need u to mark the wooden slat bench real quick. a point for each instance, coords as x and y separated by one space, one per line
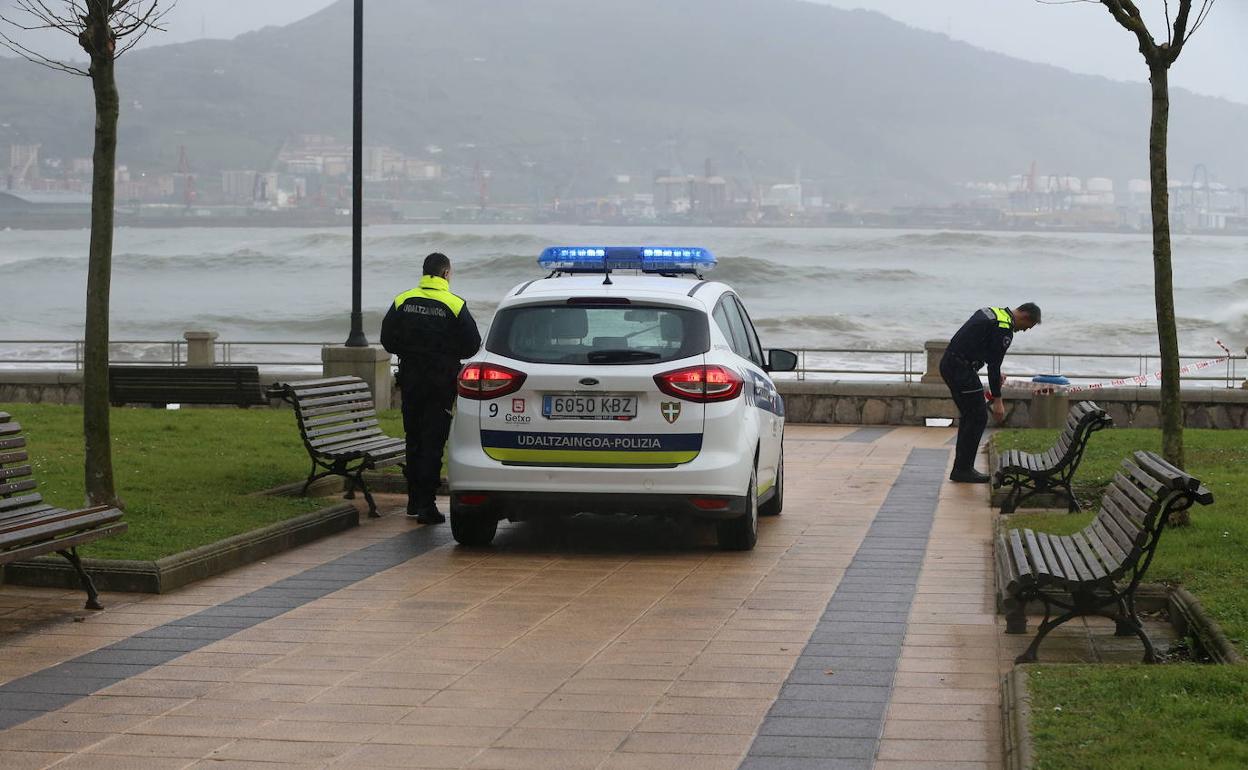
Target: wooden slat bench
338 423
1096 571
163 385
30 527
1030 474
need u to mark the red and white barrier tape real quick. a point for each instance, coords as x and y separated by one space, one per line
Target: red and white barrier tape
1142 379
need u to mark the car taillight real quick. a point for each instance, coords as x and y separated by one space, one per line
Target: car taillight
701 383
485 381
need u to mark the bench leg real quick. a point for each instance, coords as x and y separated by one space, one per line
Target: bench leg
1128 623
372 505
1048 625
1020 490
312 476
93 598
1015 615
1073 504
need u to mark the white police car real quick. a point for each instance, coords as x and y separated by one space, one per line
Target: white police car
600 392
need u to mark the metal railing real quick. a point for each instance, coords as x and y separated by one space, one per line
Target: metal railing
69 353
808 362
855 363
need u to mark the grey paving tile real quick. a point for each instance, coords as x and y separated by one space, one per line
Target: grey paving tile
58 685
31 701
115 671
154 644
821 727
817 676
846 663
829 710
832 691
886 647
804 763
805 746
116 656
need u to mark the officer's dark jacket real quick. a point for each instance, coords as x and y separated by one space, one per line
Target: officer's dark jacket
431 331
983 339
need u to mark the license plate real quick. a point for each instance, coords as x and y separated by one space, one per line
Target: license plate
581 407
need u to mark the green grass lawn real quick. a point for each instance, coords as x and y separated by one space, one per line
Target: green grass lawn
1139 717
1144 717
187 477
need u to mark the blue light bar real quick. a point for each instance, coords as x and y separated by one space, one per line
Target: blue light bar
647 259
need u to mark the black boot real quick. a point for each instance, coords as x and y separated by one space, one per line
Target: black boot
968 476
429 515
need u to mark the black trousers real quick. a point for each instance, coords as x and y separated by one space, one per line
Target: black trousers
968 395
427 423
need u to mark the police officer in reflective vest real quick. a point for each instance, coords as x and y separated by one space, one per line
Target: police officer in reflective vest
431 331
983 339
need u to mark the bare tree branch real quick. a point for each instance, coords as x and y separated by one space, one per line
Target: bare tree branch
128 20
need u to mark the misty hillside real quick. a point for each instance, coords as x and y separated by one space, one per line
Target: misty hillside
555 96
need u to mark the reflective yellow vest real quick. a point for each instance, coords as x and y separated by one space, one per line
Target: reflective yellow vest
434 288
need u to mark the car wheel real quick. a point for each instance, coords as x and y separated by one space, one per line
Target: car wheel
741 533
776 504
473 529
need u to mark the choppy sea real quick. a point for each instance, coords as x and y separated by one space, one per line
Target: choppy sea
805 288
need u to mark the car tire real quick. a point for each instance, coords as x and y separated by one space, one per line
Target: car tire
473 529
741 533
776 504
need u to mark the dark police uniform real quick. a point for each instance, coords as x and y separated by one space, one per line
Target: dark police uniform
431 331
983 339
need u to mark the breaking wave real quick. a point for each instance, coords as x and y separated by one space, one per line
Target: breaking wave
810 323
415 244
743 270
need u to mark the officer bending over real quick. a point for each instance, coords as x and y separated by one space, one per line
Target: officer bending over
982 340
431 331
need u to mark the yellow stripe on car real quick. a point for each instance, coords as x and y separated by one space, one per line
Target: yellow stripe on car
575 457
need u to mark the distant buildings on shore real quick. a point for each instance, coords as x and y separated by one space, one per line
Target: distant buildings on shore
308 182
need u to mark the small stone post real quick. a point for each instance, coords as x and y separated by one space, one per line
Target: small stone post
371 364
201 349
1049 408
935 351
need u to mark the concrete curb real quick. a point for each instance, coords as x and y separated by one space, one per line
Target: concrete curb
1188 616
1016 721
171 572
385 483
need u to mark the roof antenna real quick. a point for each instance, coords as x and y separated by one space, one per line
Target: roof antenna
606 269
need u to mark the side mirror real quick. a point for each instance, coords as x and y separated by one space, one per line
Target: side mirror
781 361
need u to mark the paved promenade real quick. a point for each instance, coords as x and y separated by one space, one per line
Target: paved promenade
859 633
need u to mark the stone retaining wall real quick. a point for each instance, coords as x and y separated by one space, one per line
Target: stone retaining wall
889 403
820 401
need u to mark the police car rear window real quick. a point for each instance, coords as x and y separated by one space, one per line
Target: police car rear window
605 334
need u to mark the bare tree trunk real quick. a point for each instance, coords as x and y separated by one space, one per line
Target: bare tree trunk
95 413
1163 272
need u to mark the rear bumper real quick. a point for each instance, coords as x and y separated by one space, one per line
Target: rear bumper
519 506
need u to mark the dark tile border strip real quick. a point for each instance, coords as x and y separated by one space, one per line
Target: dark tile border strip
867 435
58 686
830 712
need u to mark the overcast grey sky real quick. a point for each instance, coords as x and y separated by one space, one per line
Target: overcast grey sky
1084 38
1079 36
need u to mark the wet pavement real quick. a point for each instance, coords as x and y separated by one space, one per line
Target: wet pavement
860 633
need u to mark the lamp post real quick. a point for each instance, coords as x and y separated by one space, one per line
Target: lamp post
356 338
